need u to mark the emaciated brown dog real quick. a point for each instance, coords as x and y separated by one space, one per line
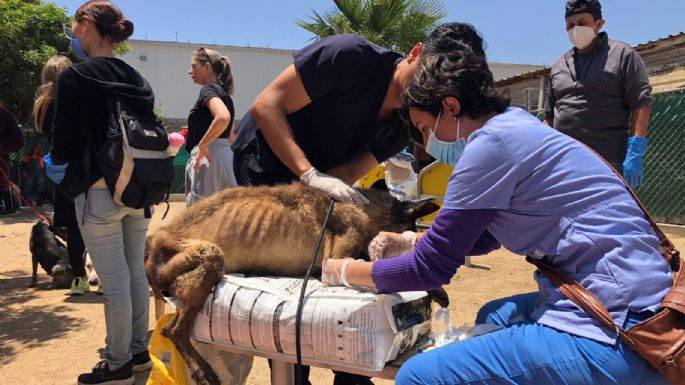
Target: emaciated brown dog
258 230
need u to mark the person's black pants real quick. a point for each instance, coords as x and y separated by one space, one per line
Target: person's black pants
6 197
253 167
76 249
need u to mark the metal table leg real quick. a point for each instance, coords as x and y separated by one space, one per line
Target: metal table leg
282 373
468 263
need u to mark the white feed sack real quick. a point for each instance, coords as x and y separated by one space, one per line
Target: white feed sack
340 326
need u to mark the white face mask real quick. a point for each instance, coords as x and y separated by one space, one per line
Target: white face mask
581 36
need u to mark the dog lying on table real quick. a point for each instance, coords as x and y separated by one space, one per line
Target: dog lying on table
270 230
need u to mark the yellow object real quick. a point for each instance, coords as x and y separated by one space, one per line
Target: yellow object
168 367
378 173
432 182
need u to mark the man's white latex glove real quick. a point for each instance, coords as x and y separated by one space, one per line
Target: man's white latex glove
334 187
334 271
388 245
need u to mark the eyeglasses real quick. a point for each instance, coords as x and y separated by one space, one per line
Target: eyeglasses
414 132
68 31
202 51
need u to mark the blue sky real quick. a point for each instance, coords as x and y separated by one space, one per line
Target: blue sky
524 31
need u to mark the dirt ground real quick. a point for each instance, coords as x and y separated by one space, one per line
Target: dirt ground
48 337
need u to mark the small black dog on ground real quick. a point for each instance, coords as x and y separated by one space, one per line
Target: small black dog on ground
51 254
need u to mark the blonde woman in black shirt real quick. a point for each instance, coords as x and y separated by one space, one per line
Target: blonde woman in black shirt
210 167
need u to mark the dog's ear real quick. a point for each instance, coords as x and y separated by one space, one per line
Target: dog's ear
422 207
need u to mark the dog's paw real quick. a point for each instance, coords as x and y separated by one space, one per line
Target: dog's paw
440 297
33 283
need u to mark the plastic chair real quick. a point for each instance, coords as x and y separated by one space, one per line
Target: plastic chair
432 183
374 176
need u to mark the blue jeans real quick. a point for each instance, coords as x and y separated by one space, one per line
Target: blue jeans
115 238
525 352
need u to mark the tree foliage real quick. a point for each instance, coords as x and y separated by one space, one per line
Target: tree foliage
395 24
30 32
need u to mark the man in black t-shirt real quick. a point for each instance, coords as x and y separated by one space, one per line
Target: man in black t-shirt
332 116
333 111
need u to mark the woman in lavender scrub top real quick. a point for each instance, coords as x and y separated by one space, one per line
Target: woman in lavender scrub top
520 184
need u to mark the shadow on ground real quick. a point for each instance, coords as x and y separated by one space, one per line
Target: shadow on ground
25 215
29 326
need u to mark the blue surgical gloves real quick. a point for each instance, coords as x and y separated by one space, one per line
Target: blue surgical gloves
54 171
633 170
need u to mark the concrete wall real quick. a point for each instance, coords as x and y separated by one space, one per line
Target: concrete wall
165 65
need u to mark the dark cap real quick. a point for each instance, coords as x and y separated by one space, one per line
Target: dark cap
593 7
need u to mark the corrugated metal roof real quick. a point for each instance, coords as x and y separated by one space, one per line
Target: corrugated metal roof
663 42
524 76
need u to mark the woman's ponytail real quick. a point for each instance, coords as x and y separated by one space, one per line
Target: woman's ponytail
226 76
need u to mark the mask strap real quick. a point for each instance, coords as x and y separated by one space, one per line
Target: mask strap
458 126
435 128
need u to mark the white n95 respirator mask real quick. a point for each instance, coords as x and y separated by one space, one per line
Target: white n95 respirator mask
581 36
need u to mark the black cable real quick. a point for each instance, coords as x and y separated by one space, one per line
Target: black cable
300 304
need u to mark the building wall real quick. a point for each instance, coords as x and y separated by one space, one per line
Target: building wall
165 65
666 67
526 93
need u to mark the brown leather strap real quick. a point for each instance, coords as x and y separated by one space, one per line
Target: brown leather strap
576 293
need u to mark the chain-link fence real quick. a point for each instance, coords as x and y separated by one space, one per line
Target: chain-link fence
663 192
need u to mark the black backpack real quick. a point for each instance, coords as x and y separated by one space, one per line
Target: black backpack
133 159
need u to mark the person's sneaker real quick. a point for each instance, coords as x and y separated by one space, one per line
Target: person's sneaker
79 286
141 361
101 375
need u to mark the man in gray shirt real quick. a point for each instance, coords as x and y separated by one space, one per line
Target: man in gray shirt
599 92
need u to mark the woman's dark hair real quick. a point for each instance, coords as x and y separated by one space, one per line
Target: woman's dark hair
460 73
448 37
108 19
220 65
